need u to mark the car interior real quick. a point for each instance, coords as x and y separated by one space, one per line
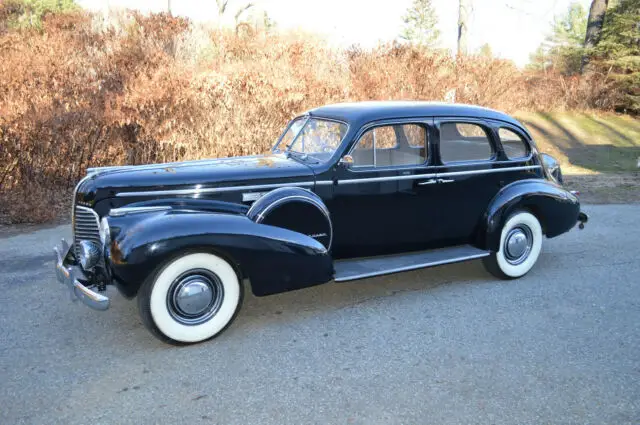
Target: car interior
395 145
463 142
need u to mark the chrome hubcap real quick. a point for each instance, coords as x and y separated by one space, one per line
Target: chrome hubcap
517 244
195 297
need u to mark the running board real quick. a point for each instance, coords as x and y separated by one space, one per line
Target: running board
360 268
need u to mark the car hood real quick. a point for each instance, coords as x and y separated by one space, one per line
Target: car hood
241 171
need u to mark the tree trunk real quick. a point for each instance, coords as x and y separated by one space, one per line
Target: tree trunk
463 25
594 29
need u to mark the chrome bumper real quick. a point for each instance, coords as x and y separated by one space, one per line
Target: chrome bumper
67 274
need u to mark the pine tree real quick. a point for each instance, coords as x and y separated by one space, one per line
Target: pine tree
562 49
420 24
618 51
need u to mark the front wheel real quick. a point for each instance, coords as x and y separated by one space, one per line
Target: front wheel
191 299
520 245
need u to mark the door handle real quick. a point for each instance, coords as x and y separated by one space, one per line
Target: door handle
426 182
446 180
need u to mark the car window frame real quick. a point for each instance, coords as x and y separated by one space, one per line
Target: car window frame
523 136
489 131
424 122
339 148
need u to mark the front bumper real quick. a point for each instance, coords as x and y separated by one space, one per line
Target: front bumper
68 274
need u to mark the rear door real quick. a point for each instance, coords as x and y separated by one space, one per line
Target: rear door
471 168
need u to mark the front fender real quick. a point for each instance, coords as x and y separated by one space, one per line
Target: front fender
274 259
556 208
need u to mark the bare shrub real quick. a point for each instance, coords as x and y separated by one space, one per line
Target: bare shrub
137 89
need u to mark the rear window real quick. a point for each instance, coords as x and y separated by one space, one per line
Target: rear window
513 144
464 142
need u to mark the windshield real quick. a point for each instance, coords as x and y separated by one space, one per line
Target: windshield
312 137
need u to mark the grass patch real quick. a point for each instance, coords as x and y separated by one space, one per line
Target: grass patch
587 143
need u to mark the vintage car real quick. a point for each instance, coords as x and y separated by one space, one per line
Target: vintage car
349 191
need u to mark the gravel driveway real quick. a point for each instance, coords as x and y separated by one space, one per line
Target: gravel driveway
442 345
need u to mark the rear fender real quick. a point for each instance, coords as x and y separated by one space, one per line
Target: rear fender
556 208
273 259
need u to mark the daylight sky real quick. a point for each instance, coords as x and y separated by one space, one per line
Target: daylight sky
513 28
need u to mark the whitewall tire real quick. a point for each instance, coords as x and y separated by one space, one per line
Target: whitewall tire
520 246
191 299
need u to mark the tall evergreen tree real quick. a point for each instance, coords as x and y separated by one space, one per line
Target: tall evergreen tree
618 52
562 49
420 24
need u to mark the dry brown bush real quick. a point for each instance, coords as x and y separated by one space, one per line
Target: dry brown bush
84 93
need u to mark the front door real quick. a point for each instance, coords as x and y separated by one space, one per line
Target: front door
381 202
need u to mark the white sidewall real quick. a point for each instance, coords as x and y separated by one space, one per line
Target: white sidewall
195 333
532 222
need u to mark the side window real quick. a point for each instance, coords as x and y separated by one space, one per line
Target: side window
464 142
391 145
385 137
514 146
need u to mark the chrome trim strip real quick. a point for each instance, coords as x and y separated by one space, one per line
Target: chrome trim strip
207 161
75 194
388 178
93 170
119 212
324 183
483 162
432 175
252 196
488 171
413 267
198 191
89 210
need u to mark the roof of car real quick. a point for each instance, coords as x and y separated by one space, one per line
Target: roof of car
363 112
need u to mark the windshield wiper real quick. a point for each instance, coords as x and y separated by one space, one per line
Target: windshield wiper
302 156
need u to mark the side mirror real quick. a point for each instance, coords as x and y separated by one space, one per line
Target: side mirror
346 160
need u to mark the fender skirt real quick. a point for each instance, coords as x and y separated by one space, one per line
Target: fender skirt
557 209
273 259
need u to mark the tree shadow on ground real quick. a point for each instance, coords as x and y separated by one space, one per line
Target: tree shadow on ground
609 128
604 157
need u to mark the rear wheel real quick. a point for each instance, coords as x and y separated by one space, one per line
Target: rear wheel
520 246
191 299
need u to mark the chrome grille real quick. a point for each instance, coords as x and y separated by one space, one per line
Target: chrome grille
85 227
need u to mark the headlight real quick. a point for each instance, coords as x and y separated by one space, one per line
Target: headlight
105 232
89 254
